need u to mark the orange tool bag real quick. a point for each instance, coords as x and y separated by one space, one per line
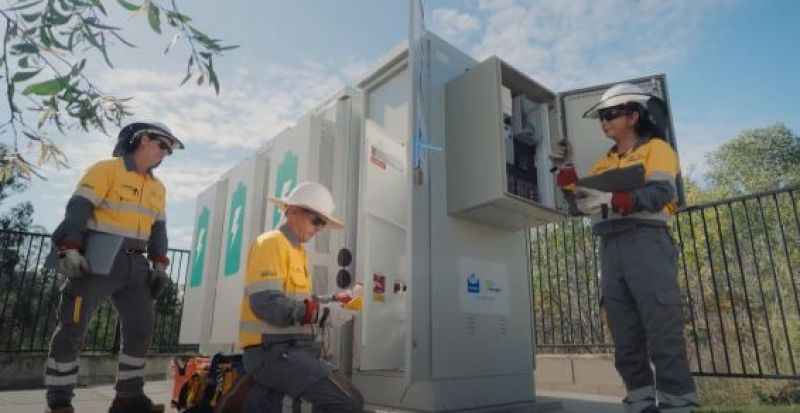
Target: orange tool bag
201 385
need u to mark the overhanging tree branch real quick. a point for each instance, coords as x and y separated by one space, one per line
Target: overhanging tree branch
44 56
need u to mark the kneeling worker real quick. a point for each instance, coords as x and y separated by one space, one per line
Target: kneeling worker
280 315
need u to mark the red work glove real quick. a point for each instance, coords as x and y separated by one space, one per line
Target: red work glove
312 312
622 202
162 260
566 176
343 298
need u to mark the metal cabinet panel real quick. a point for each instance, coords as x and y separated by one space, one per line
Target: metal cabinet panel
478 178
198 302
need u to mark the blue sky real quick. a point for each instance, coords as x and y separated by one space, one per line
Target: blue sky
730 65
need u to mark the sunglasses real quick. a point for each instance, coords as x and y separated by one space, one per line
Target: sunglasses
612 113
164 146
316 219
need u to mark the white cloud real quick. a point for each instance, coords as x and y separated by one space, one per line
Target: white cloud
579 43
454 25
251 107
565 44
186 178
218 131
181 237
354 70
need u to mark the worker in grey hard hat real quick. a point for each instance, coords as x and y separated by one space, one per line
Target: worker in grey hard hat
117 199
128 138
639 267
281 317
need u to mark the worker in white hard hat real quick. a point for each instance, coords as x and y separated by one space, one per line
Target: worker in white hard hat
639 267
122 199
281 316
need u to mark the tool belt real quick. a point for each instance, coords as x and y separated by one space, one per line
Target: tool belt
133 246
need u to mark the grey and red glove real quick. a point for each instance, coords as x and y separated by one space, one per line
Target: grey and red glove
592 201
159 280
72 264
561 155
622 202
342 298
311 314
566 176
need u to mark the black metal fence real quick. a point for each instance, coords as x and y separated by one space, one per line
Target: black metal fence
739 261
29 297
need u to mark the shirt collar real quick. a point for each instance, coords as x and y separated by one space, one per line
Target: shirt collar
290 235
613 151
130 164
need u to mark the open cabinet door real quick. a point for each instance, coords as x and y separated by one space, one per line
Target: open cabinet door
588 139
383 225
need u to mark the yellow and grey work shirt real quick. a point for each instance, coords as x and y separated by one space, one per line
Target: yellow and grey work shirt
276 284
113 197
656 201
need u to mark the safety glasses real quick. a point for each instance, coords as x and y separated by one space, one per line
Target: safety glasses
610 114
316 219
163 145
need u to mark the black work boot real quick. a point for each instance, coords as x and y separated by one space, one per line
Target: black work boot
60 408
136 404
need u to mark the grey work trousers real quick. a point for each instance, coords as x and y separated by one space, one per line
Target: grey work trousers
639 284
296 371
129 289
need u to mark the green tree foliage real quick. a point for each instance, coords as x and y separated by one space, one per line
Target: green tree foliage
755 160
18 252
47 44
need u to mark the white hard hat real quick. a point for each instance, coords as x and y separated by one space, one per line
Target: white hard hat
619 94
312 196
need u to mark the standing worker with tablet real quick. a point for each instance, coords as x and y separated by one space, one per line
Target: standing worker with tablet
639 265
116 215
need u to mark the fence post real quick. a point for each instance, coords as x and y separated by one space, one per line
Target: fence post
115 345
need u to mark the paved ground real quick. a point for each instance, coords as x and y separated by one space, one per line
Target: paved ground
87 400
97 399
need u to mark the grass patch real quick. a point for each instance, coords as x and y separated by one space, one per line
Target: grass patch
727 395
749 409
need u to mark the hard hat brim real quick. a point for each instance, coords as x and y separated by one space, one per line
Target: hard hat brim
329 220
176 143
594 111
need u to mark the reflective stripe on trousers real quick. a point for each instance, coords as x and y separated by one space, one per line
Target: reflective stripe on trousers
128 287
644 307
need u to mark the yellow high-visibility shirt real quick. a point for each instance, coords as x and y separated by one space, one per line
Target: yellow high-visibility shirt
273 264
125 202
660 164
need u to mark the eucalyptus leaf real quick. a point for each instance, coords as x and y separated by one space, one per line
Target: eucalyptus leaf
212 77
25 48
23 76
172 42
153 17
44 115
186 78
129 6
24 6
57 18
99 5
47 88
32 17
180 17
122 39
